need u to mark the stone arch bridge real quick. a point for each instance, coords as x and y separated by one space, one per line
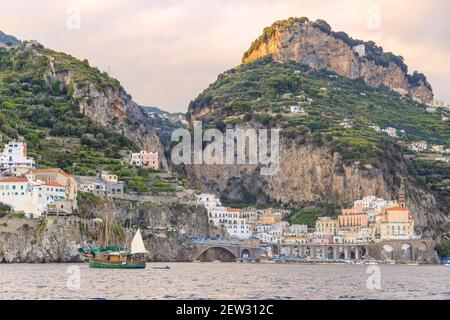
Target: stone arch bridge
398 251
236 250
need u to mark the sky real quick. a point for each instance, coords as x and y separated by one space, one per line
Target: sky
166 52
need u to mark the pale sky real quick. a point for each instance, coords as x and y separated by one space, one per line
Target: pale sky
166 52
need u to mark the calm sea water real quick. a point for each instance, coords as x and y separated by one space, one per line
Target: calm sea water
222 281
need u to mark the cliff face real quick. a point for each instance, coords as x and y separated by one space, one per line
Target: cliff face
108 105
58 239
322 159
307 44
312 174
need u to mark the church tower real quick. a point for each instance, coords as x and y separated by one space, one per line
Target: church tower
402 196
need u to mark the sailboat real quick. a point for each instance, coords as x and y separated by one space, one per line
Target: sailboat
116 257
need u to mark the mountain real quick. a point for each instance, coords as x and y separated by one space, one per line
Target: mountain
315 44
322 163
164 123
8 40
71 114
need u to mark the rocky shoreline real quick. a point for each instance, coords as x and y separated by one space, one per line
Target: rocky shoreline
57 239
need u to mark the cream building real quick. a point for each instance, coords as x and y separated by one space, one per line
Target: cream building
327 226
59 176
397 223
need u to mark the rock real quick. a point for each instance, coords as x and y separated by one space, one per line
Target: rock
60 239
305 43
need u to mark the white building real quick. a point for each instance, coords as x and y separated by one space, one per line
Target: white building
272 233
438 148
376 128
231 219
91 184
14 155
209 200
431 109
373 202
298 229
347 123
418 146
30 197
392 132
297 109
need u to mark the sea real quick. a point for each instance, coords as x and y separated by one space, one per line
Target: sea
225 281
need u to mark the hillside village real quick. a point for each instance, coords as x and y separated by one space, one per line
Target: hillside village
35 192
85 145
370 220
39 192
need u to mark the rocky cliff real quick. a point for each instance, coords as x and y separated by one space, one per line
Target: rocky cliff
316 45
311 175
165 229
99 97
329 152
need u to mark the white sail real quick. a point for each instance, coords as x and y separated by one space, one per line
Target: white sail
137 244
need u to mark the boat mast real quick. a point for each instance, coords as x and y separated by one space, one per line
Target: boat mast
106 231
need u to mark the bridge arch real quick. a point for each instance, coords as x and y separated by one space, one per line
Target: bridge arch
407 252
223 251
387 252
422 251
245 254
329 253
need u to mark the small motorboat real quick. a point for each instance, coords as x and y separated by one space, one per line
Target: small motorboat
161 268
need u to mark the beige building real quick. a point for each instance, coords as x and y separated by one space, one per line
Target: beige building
327 226
109 177
397 223
59 176
269 218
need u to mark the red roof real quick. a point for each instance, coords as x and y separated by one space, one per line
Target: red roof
54 184
14 179
50 170
397 209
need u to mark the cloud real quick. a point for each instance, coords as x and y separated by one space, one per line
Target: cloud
165 52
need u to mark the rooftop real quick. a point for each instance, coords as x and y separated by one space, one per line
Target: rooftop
13 179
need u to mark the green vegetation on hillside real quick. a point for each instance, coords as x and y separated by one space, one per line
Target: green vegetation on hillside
5 209
309 215
264 90
46 115
435 176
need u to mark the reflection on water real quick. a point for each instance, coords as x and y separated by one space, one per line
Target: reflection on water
223 281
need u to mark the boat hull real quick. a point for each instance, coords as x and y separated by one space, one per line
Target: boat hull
100 264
